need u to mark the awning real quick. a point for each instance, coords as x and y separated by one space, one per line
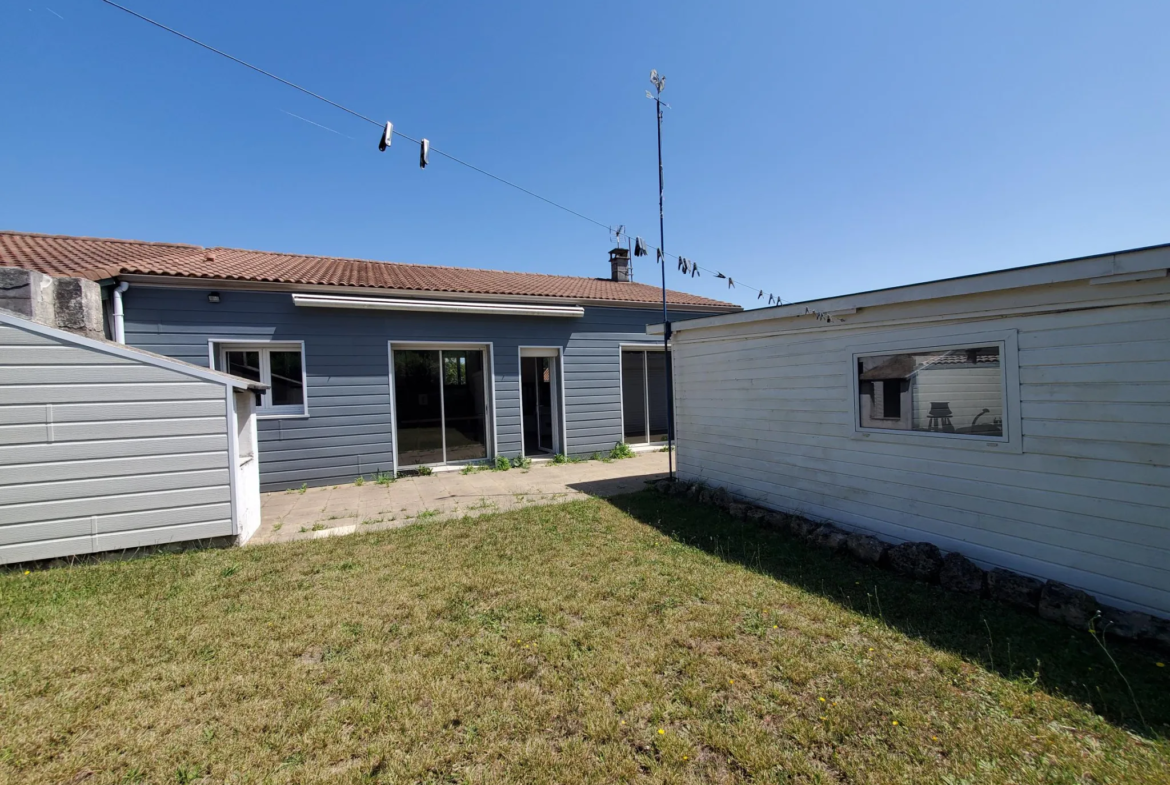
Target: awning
435 306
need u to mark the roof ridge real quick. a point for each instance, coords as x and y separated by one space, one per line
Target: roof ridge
213 249
17 233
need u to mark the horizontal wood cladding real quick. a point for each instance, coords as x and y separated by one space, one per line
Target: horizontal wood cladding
1086 501
349 428
100 451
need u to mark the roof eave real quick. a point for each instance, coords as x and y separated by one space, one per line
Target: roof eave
230 284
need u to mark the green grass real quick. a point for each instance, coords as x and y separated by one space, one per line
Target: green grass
641 639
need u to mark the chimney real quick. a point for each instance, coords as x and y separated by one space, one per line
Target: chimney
619 263
73 304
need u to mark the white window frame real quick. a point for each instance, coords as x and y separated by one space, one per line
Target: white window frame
1006 340
638 347
217 349
489 350
560 429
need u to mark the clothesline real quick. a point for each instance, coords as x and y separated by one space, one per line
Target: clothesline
426 148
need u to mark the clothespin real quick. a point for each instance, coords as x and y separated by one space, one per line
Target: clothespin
387 137
661 258
730 283
720 275
639 247
770 299
760 296
423 152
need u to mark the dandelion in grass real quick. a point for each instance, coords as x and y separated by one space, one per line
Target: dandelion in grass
731 681
26 572
895 722
661 731
1159 664
822 700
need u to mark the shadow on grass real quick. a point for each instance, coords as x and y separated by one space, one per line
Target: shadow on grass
1018 646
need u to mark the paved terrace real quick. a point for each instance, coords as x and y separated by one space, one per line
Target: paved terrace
345 509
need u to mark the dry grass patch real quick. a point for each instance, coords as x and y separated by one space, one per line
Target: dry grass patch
585 642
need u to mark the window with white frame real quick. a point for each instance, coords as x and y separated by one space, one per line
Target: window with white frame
281 366
957 391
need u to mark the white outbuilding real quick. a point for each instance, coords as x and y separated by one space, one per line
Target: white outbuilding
1020 417
106 448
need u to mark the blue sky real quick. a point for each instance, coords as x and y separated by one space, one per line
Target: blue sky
812 148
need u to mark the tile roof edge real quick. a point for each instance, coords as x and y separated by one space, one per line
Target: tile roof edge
46 235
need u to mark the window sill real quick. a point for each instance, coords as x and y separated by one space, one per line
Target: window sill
938 439
276 416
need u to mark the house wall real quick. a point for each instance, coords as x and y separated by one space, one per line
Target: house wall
1082 496
100 452
348 431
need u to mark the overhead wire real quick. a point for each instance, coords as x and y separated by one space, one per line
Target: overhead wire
658 256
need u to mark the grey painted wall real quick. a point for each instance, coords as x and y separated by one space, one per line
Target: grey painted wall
101 452
348 431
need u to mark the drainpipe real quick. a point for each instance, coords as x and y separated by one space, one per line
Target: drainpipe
119 318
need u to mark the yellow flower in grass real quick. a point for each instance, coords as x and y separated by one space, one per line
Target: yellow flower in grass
661 731
822 700
26 572
895 722
731 681
1159 664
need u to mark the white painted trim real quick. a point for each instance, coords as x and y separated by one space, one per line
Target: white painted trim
559 419
129 352
1011 441
233 460
488 348
433 306
217 346
1084 268
644 348
948 318
1127 277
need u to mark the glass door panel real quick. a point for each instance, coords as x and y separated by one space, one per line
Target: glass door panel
634 396
656 395
418 392
464 405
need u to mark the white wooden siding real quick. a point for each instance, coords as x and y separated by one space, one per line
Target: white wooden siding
767 413
102 452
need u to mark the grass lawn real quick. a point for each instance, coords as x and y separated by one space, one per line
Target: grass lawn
640 638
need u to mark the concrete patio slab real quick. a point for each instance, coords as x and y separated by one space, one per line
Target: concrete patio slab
345 509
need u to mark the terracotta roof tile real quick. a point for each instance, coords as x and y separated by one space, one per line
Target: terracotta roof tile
98 258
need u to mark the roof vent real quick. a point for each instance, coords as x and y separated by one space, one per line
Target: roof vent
619 262
209 256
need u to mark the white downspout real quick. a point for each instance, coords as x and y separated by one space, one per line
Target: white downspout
119 318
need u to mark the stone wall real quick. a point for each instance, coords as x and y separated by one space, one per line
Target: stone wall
73 304
923 561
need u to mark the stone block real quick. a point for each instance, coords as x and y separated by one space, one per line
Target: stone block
865 547
960 574
828 537
1067 605
919 560
1014 589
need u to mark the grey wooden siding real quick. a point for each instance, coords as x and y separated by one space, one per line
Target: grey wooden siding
100 452
766 411
348 431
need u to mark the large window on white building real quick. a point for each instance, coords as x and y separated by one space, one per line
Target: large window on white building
956 391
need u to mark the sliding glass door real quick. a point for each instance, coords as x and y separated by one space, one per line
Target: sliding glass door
644 412
440 398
